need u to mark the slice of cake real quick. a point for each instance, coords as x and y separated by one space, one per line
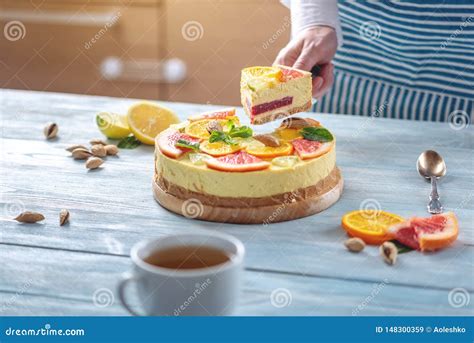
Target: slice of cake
270 93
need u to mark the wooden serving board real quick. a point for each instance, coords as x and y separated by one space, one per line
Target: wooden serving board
193 208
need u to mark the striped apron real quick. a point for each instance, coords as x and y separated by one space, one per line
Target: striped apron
408 60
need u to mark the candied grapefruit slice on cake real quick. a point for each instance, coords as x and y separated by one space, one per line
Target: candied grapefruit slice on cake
237 162
220 114
372 226
167 142
427 234
307 149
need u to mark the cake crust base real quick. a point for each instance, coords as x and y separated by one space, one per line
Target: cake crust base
291 207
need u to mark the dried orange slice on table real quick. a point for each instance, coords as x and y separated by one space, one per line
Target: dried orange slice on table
370 225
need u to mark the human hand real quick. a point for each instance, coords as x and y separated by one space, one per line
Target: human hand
313 46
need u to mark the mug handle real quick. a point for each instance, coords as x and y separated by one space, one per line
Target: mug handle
121 291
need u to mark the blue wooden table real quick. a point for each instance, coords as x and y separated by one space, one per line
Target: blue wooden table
292 268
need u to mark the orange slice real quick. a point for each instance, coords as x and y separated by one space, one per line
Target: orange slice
218 148
288 134
264 151
198 128
372 226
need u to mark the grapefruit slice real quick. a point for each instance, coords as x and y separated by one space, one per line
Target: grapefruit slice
238 162
427 234
167 143
307 149
372 226
221 114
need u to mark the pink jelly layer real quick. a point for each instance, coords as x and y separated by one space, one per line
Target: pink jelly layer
268 106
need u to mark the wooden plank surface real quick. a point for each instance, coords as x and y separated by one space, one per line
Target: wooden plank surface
113 208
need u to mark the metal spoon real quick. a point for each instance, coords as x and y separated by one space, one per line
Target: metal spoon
431 166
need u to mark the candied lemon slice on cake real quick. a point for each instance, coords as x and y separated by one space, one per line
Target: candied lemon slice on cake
112 125
370 225
147 120
198 128
285 161
218 148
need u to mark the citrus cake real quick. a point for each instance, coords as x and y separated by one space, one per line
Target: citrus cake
211 167
269 93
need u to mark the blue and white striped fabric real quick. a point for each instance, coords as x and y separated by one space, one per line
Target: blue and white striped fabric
404 59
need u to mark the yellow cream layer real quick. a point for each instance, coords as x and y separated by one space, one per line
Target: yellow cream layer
274 180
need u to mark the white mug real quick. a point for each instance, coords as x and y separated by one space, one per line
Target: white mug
207 291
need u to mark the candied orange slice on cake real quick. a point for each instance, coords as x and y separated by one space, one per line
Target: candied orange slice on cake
218 148
427 234
288 134
238 162
220 114
168 143
372 226
261 150
199 128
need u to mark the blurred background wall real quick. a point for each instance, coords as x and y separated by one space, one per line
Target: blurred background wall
177 50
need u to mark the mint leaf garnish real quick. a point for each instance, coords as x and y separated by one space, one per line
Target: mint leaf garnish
226 137
182 143
316 134
129 142
220 136
242 132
